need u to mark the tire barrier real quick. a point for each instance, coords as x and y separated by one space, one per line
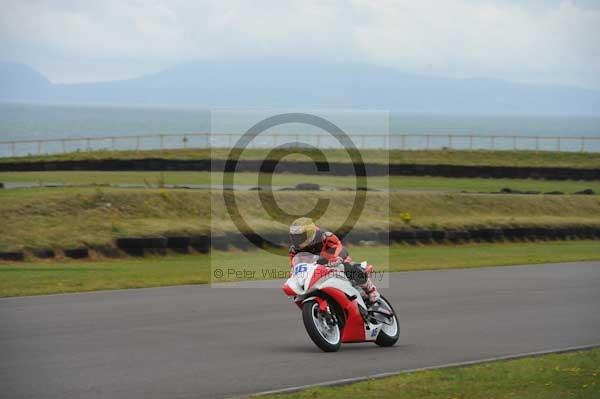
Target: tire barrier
200 243
587 191
496 172
438 236
383 237
12 256
423 236
107 250
44 253
407 236
506 190
360 237
140 246
458 236
238 241
131 245
77 253
308 187
279 240
309 168
220 243
179 244
486 235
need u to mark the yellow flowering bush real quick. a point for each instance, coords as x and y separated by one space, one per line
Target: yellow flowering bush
406 217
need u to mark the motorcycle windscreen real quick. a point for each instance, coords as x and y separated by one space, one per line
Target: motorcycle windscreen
304 257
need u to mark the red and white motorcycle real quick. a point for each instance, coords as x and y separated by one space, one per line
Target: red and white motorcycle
333 310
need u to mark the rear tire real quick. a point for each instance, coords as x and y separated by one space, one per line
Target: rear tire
388 338
327 339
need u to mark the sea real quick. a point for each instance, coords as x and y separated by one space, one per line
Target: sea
224 127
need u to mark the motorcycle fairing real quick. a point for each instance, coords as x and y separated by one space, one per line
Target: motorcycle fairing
338 287
355 329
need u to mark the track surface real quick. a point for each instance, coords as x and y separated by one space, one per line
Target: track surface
198 341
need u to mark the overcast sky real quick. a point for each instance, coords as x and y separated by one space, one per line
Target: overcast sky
542 41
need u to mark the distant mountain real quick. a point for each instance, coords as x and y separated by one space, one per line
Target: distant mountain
20 82
289 84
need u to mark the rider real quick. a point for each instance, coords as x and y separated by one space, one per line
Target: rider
306 236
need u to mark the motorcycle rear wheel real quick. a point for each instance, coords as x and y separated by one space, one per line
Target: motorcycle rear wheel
326 336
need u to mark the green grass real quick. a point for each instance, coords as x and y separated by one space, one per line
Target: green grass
47 277
34 218
446 157
414 183
566 375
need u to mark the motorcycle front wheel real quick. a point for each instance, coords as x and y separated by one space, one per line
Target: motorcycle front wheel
321 327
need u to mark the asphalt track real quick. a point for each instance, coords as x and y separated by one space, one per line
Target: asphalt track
202 341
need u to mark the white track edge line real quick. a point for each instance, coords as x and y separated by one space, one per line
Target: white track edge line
345 381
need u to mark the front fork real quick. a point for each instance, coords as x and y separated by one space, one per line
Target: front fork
324 307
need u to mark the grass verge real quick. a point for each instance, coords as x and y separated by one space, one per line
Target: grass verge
430 157
566 375
36 278
36 218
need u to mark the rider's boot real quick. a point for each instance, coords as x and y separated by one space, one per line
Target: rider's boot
371 291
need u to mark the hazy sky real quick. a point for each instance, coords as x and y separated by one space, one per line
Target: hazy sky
542 41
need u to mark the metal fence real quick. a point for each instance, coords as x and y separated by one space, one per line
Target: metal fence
270 140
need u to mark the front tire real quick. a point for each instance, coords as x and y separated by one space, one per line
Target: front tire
321 329
389 334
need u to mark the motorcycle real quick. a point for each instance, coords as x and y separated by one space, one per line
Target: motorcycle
333 310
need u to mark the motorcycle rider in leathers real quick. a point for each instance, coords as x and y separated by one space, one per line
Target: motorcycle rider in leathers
306 236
